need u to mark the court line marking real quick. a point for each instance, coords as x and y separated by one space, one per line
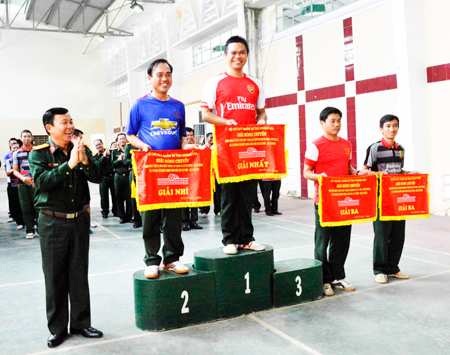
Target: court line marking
137 336
144 334
350 293
405 256
284 335
293 230
360 236
106 229
89 275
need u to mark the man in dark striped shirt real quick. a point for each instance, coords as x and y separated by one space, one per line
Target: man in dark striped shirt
26 184
387 157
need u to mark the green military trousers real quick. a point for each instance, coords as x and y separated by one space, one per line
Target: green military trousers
65 258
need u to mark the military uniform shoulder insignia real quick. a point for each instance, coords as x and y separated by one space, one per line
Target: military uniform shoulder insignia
42 146
128 143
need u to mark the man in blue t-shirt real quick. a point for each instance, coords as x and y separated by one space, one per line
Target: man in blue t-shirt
157 122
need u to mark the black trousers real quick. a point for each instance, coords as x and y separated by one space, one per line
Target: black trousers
217 198
189 214
26 198
106 187
65 259
173 244
270 187
338 241
136 214
236 212
123 195
14 204
388 246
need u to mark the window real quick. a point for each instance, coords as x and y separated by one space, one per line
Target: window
293 12
122 89
211 47
40 139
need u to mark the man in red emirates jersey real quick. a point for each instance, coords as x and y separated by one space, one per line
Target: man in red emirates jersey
237 98
330 155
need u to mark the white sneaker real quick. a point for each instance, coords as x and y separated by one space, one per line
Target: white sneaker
343 285
230 249
30 236
151 272
253 246
399 275
19 227
176 267
381 278
327 290
10 220
93 224
203 215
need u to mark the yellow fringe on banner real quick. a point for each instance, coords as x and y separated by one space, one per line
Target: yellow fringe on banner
401 218
159 206
343 223
133 189
250 177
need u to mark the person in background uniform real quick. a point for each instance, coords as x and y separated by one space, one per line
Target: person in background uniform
387 157
238 99
127 160
103 156
12 189
144 131
26 185
5 158
121 180
61 170
218 189
269 187
330 155
190 214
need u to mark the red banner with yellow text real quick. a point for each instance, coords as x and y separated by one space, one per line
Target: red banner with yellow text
403 197
246 152
172 178
347 200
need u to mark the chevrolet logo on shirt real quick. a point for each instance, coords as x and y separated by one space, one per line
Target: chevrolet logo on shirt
164 123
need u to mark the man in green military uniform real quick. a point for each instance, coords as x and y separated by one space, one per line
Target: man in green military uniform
103 156
61 169
121 180
127 160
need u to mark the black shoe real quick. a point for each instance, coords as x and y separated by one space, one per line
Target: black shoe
269 213
56 339
124 220
115 214
276 212
256 210
137 224
194 225
186 227
104 215
87 333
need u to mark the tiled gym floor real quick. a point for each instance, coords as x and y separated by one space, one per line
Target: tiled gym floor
401 317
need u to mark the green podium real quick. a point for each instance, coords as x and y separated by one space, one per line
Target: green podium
243 281
174 300
296 281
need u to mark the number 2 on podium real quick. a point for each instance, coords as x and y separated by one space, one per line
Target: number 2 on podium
247 283
185 295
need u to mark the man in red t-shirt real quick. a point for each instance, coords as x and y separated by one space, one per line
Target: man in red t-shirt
330 155
238 99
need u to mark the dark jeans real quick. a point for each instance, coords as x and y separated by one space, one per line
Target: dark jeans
267 188
123 195
236 212
189 215
173 244
65 259
106 187
26 198
388 246
14 204
338 240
